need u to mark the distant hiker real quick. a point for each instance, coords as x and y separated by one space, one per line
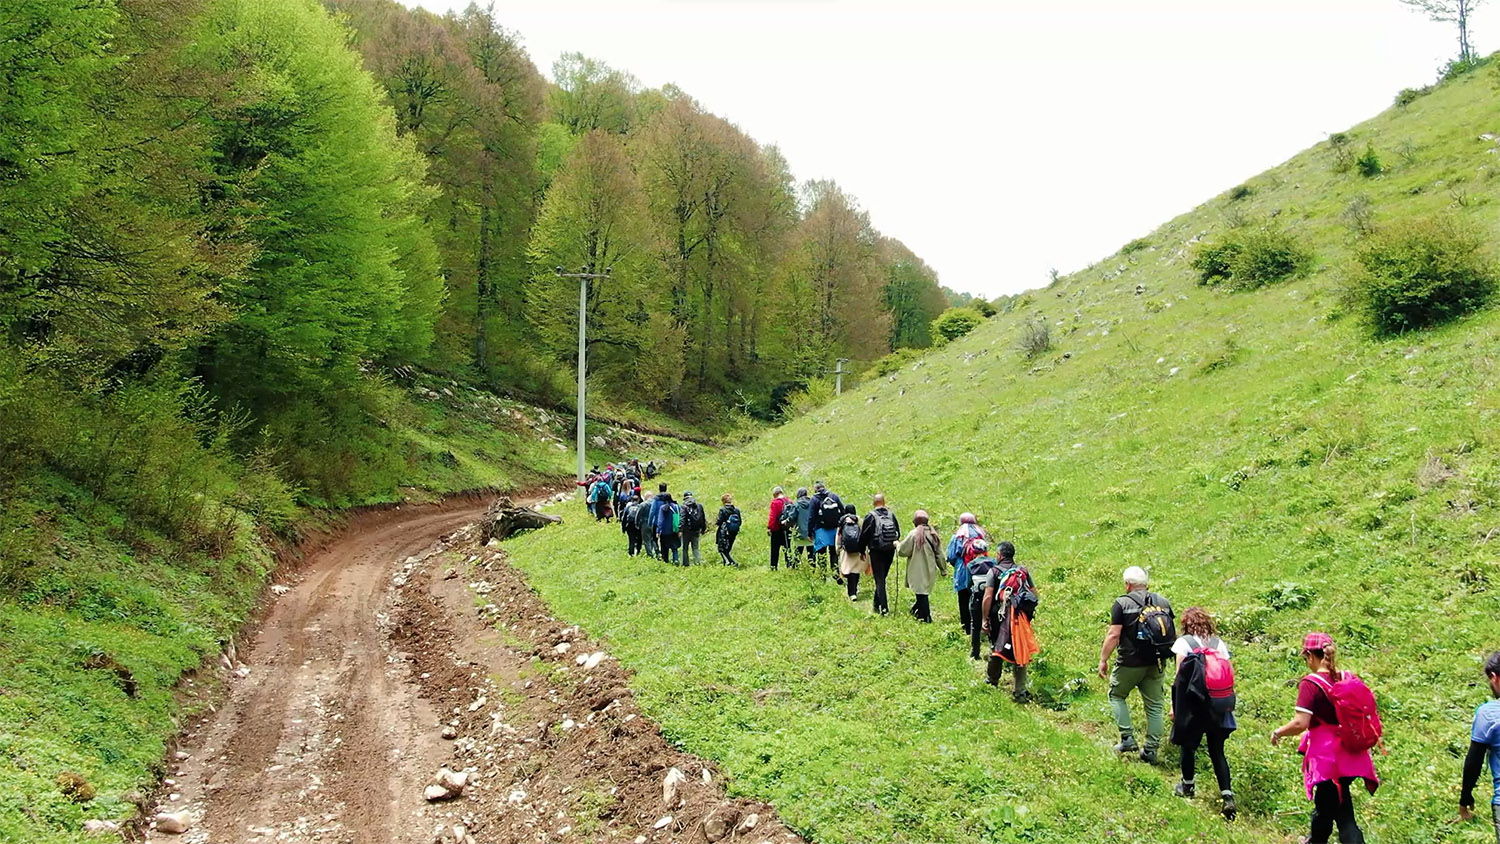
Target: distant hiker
921 548
694 523
604 498
979 567
668 528
960 552
651 470
879 535
1006 611
630 522
1484 741
779 531
1142 626
730 520
646 525
853 561
653 542
827 509
801 529
1203 703
1338 722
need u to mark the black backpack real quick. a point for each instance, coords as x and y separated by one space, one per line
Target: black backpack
886 532
693 519
829 509
1155 627
849 534
789 515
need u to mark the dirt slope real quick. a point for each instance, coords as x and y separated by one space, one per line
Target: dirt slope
337 726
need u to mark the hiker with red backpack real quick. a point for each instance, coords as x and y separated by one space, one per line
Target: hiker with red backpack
960 552
1203 703
1339 724
1007 608
879 535
1143 628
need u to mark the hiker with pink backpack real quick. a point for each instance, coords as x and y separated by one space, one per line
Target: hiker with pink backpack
1203 703
1339 724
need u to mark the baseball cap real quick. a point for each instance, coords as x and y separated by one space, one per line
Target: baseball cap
1316 641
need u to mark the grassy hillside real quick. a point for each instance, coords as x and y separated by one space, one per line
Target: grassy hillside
1258 451
102 611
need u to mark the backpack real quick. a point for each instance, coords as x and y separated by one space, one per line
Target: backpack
1359 718
830 509
789 513
886 532
631 511
694 516
1014 587
674 517
732 523
1155 628
1218 672
849 534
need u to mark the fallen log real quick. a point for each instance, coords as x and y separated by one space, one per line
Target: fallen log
503 519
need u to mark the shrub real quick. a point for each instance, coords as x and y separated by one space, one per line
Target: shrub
1241 192
1036 339
1368 164
1420 274
1407 96
893 362
1359 215
985 308
1343 154
1140 244
955 323
1248 260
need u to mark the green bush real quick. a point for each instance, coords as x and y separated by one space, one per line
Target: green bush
1246 260
1419 274
955 323
1368 164
1140 244
1036 339
1407 96
1241 192
893 362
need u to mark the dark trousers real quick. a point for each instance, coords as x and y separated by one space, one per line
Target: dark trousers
633 535
648 541
796 553
996 667
1214 739
726 547
1333 805
780 541
669 543
976 622
880 564
963 610
922 609
851 584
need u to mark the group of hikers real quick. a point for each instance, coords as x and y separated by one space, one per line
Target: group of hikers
660 526
1335 717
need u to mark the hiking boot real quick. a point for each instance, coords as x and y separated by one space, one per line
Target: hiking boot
1021 698
1127 744
1184 789
1231 809
1148 755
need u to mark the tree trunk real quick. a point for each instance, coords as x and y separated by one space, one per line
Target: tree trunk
503 519
482 292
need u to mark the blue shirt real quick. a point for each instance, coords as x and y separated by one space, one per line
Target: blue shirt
655 510
1487 732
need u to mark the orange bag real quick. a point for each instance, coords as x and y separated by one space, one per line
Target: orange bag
1023 639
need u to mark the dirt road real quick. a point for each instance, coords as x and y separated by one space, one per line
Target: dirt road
377 667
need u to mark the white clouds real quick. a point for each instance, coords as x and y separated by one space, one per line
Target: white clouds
1001 138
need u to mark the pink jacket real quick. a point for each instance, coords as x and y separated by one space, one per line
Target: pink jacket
1324 758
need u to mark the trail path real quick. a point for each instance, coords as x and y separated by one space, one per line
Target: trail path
335 724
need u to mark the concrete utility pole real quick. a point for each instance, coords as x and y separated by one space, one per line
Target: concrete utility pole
583 276
838 376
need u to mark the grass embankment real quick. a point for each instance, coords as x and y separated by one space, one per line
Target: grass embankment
1258 451
100 614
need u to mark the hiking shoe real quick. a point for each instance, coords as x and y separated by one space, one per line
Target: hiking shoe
1230 808
1022 699
1184 790
1148 755
1127 745
853 598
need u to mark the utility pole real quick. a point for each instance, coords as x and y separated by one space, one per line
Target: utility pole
838 376
584 277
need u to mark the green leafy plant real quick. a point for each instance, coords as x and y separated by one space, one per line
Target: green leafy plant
1420 274
955 323
1368 163
1245 260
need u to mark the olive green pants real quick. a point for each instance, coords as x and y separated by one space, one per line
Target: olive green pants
1148 680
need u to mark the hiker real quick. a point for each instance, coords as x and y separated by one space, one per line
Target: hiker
920 548
1484 741
668 528
779 532
653 544
1142 626
879 535
651 470
1336 717
979 567
630 522
603 499
729 522
959 553
694 523
646 524
827 509
1203 703
1006 612
801 527
853 561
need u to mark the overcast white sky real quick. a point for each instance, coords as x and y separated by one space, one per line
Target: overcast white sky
999 138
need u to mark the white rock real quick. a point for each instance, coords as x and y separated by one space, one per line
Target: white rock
749 822
450 732
707 777
280 589
475 706
594 659
671 787
663 823
562 647
97 827
454 781
434 793
1174 370
242 672
173 823
180 756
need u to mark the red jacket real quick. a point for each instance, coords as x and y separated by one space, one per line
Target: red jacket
777 506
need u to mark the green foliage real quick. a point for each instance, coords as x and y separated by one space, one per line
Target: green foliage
1407 96
1419 274
1250 259
1368 163
895 361
1036 338
1140 244
1241 192
955 323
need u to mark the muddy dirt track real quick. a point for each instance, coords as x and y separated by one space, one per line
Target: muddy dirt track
405 647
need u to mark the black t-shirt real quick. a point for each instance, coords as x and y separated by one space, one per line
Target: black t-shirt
1126 612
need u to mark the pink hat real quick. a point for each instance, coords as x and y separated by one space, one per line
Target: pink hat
1316 641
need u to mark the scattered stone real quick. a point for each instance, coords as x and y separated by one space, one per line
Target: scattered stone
665 821
450 732
562 647
750 822
450 574
717 825
434 793
671 787
478 704
181 756
242 672
173 823
454 781
594 659
100 827
279 589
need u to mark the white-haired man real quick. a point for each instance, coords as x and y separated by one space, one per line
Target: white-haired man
1139 621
